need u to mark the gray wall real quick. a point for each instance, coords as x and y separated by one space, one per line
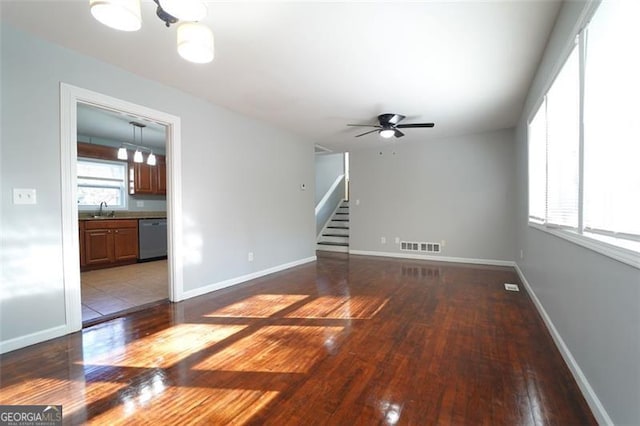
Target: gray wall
328 168
593 301
459 190
240 181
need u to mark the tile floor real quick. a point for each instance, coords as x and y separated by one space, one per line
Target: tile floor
108 291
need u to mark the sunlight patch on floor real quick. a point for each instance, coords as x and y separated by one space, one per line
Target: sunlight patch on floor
197 406
258 306
165 348
340 307
274 349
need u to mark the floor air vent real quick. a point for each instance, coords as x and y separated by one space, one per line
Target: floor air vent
511 287
420 247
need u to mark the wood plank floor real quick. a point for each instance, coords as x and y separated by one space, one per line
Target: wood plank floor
343 341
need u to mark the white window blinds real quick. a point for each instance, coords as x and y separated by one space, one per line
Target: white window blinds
612 120
563 144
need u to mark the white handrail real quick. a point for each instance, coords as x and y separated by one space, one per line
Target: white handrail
327 195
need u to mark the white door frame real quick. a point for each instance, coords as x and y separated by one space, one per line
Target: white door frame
70 96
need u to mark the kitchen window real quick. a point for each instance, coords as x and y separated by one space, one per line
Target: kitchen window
100 180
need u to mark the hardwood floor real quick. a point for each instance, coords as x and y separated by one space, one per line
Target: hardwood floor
345 340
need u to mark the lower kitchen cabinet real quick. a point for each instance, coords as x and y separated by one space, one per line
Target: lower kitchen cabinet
108 243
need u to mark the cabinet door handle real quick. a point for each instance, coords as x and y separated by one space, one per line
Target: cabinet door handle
116 231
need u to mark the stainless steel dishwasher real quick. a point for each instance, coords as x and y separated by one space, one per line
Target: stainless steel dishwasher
152 238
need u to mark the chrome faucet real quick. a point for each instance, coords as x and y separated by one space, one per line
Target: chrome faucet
100 210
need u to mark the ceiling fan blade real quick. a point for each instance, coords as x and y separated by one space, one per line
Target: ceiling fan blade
398 134
414 125
386 119
366 133
363 125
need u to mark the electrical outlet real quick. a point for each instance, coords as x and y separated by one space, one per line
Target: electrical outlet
443 243
139 203
357 202
397 240
521 254
250 256
383 240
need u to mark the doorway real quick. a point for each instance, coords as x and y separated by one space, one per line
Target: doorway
73 98
121 175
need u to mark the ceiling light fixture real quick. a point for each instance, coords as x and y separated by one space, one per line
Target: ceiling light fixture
195 40
123 15
151 159
387 133
122 153
137 156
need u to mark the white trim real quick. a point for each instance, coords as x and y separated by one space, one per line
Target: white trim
32 339
243 278
587 391
327 195
492 262
620 254
70 96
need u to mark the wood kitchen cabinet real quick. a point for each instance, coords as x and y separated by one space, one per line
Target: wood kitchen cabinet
150 179
109 242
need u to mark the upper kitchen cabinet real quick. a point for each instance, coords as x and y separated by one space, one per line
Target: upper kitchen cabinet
149 179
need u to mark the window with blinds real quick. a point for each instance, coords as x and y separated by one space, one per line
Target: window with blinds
583 174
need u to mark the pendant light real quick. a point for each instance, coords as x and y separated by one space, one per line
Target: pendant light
185 10
151 159
195 42
137 156
122 153
123 15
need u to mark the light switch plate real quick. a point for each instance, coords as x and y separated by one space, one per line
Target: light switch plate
24 196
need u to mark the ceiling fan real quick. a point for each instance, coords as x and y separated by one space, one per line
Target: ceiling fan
389 126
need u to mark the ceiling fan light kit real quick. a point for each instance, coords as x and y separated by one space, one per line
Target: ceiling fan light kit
195 42
194 39
388 126
123 15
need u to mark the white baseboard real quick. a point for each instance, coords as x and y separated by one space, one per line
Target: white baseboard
237 280
33 338
589 394
492 262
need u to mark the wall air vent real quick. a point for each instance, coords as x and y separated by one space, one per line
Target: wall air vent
408 246
420 247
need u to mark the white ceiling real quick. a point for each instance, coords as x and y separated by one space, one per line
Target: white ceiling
99 123
312 67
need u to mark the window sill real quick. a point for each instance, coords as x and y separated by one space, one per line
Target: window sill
600 244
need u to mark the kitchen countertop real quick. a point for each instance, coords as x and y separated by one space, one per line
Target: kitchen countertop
123 215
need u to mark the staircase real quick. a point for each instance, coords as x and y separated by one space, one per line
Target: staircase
335 235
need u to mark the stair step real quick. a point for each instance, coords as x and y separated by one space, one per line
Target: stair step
331 243
339 220
335 235
337 227
342 213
